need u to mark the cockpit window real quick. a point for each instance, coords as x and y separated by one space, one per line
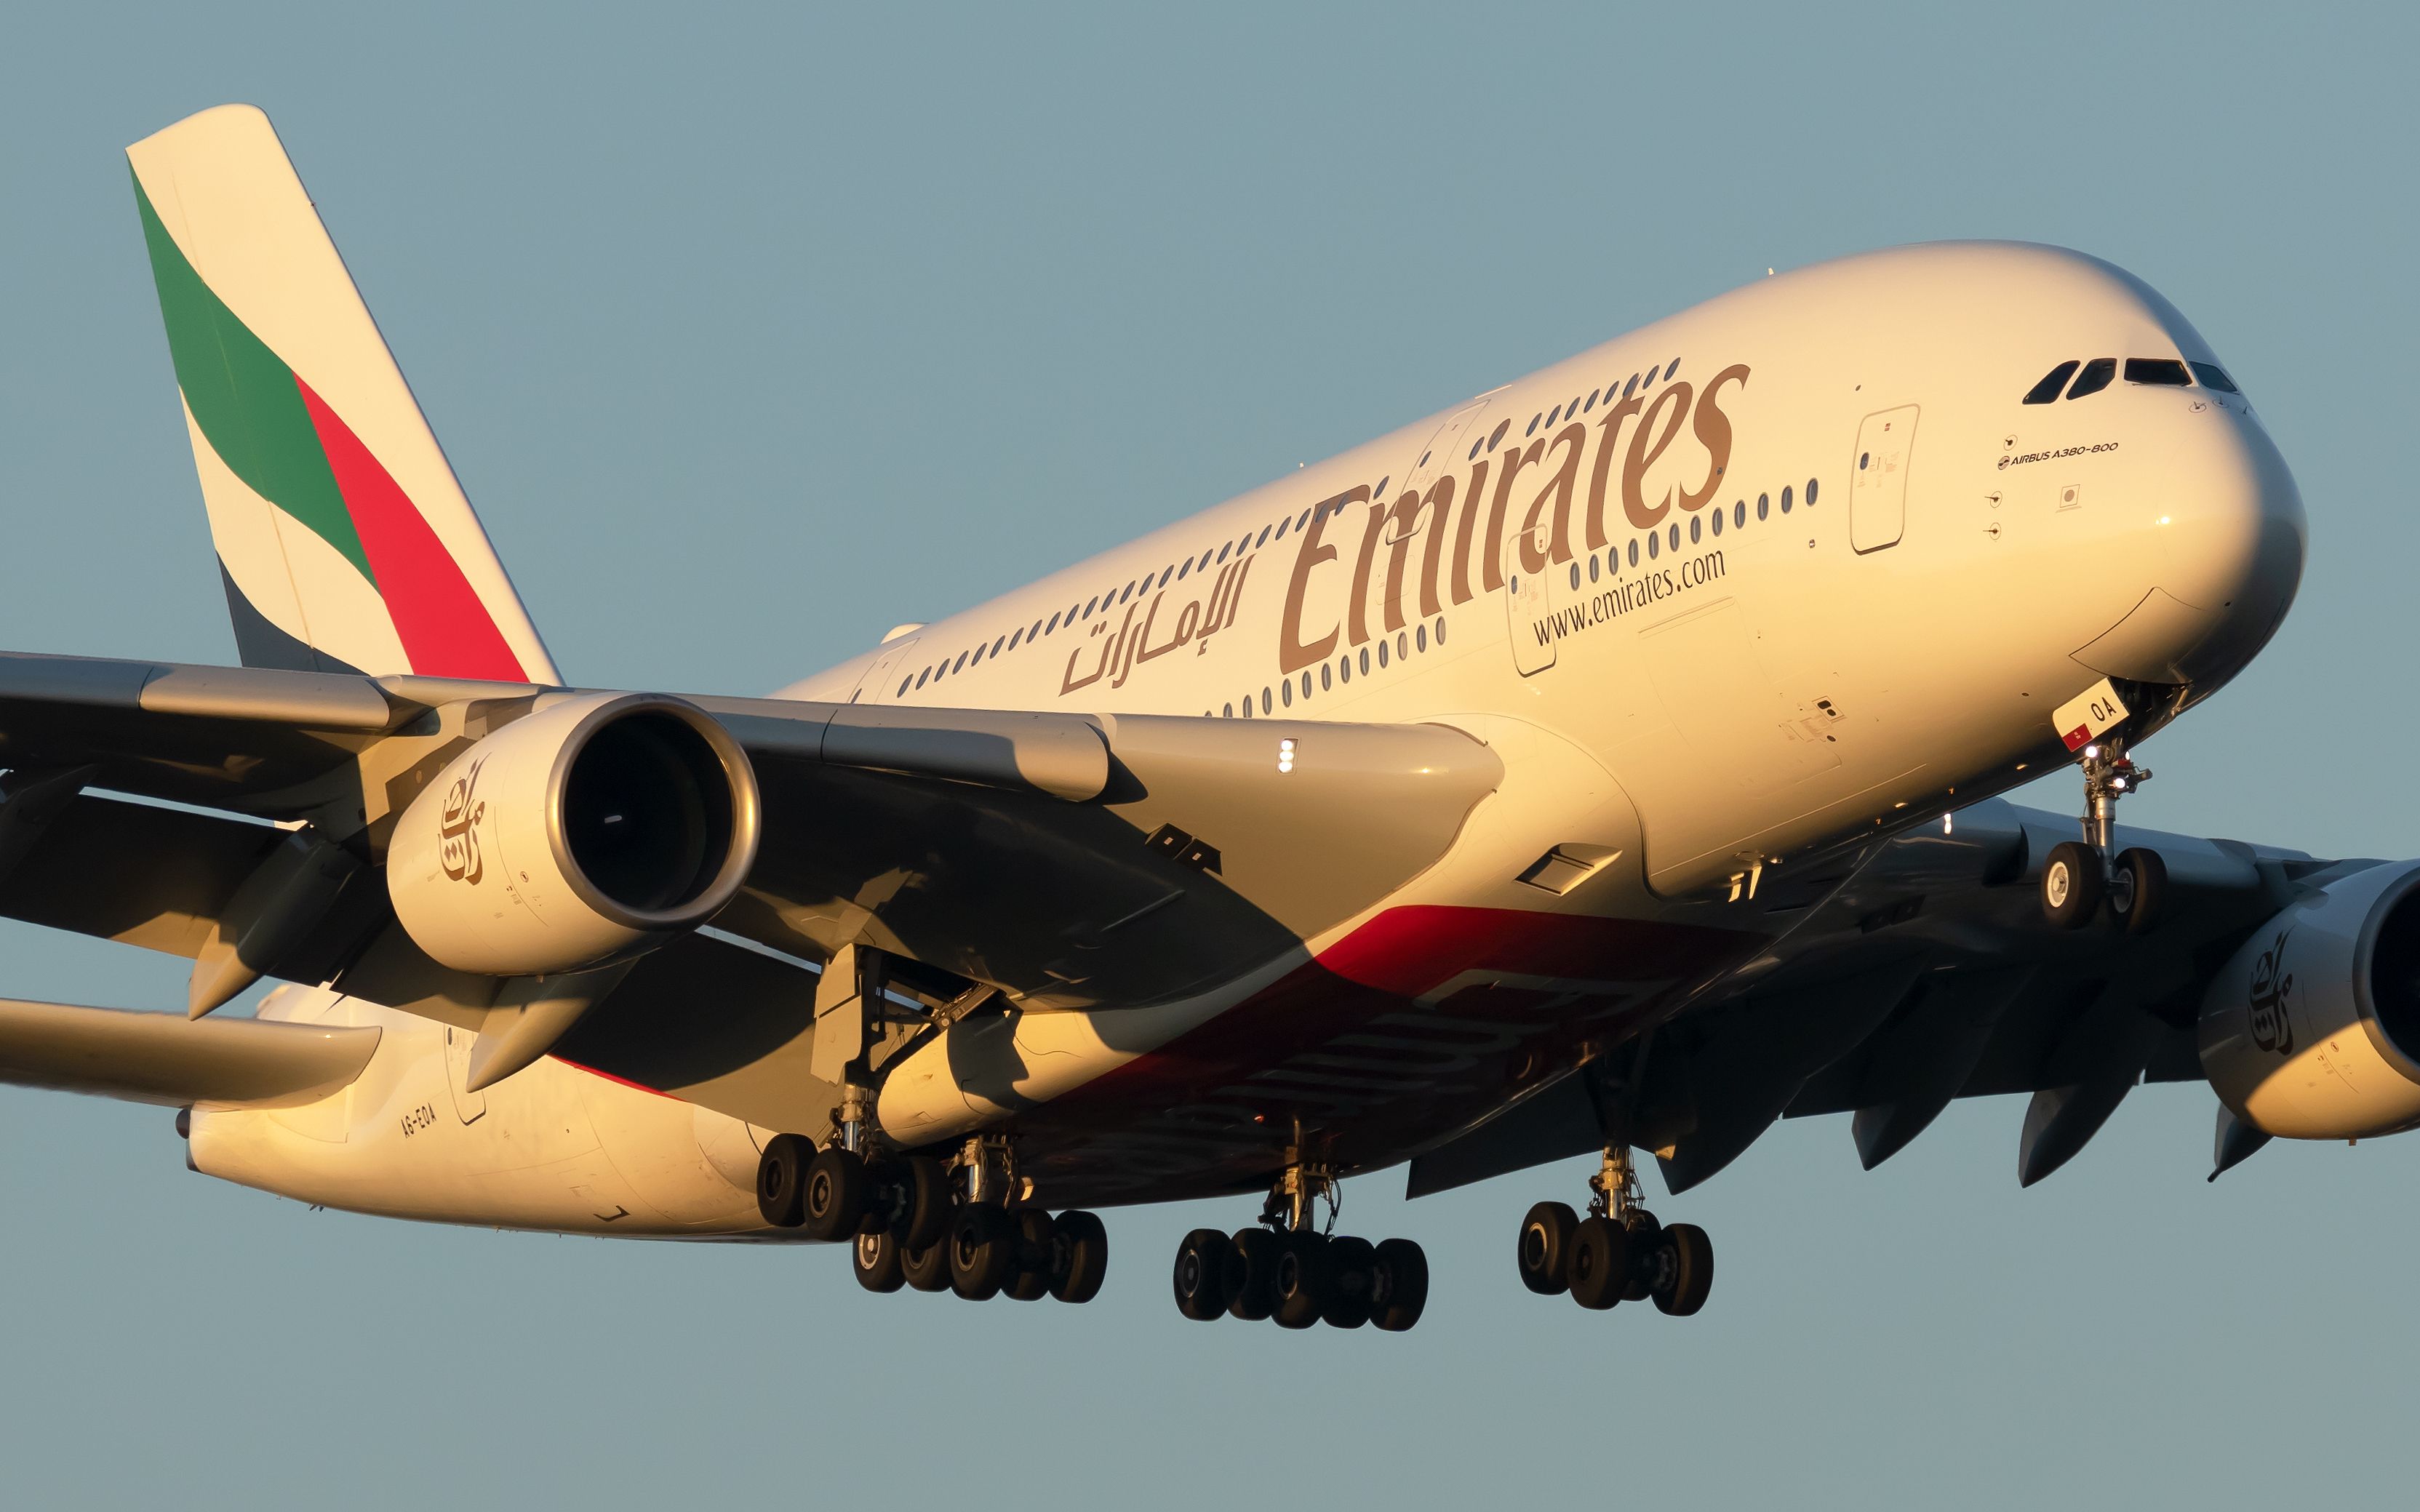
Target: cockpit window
2214 376
2163 371
2053 381
2098 374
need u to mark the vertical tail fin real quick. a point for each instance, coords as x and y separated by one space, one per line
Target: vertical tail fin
343 539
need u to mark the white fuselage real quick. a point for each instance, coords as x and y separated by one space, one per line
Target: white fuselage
1788 568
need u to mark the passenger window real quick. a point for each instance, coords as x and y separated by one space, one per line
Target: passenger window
2164 372
2098 374
2214 378
2052 382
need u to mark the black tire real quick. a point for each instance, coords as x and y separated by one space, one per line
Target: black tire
1599 1270
1200 1278
781 1179
1401 1293
1691 1271
1081 1247
982 1251
921 1209
834 1204
1545 1247
2138 889
1252 1274
1352 1276
1646 1244
2072 885
927 1269
1298 1291
875 1258
1035 1241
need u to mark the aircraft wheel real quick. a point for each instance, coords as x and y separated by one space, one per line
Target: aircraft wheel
781 1179
1080 1256
1299 1290
927 1269
1202 1275
921 1208
1352 1267
2072 885
833 1202
1402 1291
1647 1255
1600 1262
1252 1274
1545 1247
877 1260
982 1251
1690 1275
2138 889
1035 1241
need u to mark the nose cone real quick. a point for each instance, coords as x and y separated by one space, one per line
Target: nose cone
2216 542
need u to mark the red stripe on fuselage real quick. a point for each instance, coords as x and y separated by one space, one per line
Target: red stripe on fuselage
1382 967
445 629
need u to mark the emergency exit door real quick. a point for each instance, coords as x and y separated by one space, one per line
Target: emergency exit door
1878 478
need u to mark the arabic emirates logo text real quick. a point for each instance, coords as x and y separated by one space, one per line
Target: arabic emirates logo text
2272 989
458 832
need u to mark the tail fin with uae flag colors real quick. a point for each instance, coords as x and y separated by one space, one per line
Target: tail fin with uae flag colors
344 540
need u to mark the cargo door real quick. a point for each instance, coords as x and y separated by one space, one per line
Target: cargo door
1878 478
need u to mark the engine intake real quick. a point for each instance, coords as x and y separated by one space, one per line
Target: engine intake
594 830
2312 1030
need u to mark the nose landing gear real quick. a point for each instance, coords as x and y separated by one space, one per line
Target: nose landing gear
2078 876
1297 1274
1619 1253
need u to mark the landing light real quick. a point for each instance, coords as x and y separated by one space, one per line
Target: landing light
1285 755
2163 520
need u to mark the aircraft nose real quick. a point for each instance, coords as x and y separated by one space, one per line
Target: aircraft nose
2219 544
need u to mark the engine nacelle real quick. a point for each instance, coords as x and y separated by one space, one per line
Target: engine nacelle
594 830
2312 1031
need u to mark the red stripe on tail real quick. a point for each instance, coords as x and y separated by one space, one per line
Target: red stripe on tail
445 629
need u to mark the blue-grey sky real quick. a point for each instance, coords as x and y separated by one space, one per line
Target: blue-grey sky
754 331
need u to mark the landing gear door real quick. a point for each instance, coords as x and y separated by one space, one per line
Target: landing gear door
1529 603
1878 475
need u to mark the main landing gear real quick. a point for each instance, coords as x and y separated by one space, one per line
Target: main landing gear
1298 1275
1619 1253
909 1225
2080 875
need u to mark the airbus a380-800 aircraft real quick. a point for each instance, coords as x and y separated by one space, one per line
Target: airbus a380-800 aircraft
1604 764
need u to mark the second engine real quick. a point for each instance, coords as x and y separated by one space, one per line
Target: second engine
595 829
2312 1030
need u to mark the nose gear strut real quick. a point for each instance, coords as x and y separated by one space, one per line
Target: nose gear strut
2078 874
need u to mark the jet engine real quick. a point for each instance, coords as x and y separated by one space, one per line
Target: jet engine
2312 1031
591 830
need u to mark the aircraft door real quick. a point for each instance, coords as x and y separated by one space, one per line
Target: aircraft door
468 1106
1393 592
869 688
1530 604
1878 478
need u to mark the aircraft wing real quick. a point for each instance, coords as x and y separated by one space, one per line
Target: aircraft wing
1919 971
1068 861
170 1060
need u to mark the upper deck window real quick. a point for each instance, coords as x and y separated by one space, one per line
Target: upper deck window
2098 374
2163 371
2052 382
2214 378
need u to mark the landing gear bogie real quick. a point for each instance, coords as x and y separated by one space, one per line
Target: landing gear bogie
1619 1253
1299 1276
